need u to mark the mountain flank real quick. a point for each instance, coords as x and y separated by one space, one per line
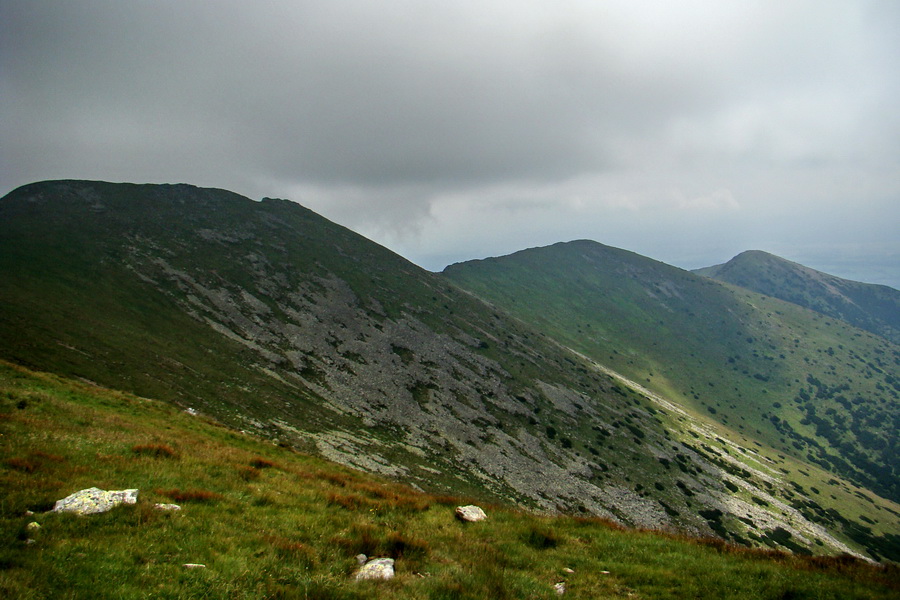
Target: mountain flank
275 321
875 308
807 385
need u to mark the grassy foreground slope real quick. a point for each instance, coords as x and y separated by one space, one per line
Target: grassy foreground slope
268 522
875 308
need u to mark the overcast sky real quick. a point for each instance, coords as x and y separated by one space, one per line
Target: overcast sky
685 131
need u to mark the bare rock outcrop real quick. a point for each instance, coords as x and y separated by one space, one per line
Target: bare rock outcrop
377 568
470 513
94 500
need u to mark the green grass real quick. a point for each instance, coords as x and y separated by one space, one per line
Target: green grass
293 528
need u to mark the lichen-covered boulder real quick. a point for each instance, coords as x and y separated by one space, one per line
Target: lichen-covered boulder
377 568
470 513
94 500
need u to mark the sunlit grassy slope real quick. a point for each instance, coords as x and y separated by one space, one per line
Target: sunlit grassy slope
268 522
807 385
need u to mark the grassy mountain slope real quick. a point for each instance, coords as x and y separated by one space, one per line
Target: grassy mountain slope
808 386
875 308
268 522
273 319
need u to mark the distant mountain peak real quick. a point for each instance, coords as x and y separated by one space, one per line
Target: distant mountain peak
875 308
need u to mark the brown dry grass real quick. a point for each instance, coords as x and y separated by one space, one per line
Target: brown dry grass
195 495
262 463
155 450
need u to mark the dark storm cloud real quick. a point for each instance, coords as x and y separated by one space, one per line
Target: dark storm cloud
338 92
453 130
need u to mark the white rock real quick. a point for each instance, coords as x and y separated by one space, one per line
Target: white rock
166 506
560 588
377 568
470 513
33 526
94 500
361 559
193 566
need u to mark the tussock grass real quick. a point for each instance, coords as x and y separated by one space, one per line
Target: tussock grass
292 529
21 464
249 473
262 463
189 495
154 450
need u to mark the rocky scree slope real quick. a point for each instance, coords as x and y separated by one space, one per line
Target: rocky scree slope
269 317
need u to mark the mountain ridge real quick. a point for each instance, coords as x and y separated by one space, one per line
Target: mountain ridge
323 330
752 362
273 319
875 308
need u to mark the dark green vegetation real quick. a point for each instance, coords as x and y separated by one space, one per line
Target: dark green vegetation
875 308
271 319
268 522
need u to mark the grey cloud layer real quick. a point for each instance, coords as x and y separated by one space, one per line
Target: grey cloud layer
404 119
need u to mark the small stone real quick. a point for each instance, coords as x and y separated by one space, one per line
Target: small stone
29 541
470 513
560 588
33 526
361 559
377 568
568 570
166 506
29 513
193 566
604 572
191 411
